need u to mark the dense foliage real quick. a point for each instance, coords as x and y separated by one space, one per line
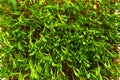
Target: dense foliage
59 39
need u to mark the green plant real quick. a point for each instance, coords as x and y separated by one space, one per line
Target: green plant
59 40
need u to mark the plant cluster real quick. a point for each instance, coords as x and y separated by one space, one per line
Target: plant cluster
59 39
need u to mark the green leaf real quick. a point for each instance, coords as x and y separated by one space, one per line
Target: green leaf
77 72
20 76
88 75
43 38
33 52
97 71
13 2
19 46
